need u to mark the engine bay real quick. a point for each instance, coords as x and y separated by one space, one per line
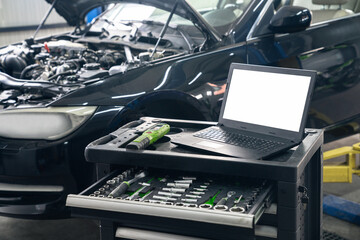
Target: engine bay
37 73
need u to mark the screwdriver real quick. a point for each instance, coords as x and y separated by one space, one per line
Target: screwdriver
125 185
149 136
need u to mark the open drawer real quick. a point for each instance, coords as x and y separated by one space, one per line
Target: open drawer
172 202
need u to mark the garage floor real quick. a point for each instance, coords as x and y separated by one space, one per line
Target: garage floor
84 229
348 191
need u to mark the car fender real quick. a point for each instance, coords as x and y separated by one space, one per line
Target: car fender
165 104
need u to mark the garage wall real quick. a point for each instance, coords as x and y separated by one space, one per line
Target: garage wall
20 18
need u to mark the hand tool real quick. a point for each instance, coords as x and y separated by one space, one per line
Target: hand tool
237 208
189 178
125 185
224 200
192 205
116 179
129 132
129 172
145 184
159 202
180 204
111 183
189 200
124 175
183 181
178 185
169 194
174 189
221 204
200 189
138 191
209 203
163 179
192 196
121 177
102 190
197 193
238 200
135 194
144 197
164 198
149 136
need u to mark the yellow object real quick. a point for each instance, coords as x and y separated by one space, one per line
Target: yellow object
342 172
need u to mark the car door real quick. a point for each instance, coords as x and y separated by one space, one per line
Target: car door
331 47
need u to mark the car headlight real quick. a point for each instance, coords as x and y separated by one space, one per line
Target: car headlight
49 123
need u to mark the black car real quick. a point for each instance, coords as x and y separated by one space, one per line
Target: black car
155 58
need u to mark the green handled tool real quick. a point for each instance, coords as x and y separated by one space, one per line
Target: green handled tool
212 199
149 136
210 203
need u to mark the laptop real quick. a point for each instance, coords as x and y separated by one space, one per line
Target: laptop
263 112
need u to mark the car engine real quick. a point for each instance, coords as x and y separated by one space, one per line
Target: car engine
37 73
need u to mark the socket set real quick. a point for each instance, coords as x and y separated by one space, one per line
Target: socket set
216 193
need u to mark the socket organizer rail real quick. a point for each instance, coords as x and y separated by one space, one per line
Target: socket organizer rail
166 191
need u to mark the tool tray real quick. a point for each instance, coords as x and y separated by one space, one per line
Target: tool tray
277 179
166 155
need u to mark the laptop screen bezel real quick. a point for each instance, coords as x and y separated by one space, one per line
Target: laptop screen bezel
276 132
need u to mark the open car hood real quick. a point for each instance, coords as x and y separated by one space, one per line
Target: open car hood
74 11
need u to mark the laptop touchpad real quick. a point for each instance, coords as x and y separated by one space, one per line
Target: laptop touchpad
209 144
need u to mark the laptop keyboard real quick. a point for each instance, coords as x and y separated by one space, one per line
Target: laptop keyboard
238 139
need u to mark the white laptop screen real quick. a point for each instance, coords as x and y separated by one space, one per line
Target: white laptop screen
269 99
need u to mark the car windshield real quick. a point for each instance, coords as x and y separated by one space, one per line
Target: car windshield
123 18
218 13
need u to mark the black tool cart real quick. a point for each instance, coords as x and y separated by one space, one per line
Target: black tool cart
173 192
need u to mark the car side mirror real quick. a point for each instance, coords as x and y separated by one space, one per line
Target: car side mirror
290 19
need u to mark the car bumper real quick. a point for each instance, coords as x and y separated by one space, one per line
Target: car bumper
37 176
35 179
26 200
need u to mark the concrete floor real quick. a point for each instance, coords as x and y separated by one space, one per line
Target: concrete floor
348 191
351 192
64 229
84 229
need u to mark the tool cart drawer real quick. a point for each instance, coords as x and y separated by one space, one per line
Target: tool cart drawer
174 198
